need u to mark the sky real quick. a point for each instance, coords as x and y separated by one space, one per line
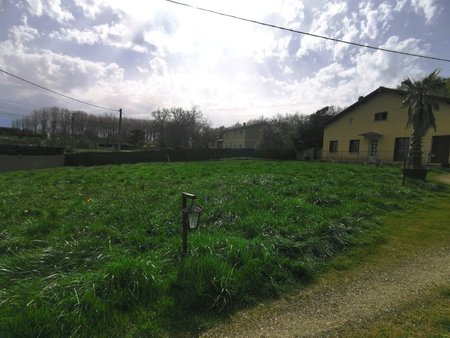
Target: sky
144 55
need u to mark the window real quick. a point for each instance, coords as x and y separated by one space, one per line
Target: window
353 146
401 148
381 116
333 146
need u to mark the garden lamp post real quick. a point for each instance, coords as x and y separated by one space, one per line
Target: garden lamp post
190 217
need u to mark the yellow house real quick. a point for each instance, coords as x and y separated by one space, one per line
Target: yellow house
374 129
246 136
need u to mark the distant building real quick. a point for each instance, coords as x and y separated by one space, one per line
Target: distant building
374 129
246 136
217 144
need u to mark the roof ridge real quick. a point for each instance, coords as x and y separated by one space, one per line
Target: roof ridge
380 89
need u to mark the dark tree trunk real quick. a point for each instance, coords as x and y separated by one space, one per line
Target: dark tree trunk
415 151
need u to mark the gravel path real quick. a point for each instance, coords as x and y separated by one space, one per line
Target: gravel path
333 303
339 300
444 178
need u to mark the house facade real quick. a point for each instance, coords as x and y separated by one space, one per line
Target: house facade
246 136
374 129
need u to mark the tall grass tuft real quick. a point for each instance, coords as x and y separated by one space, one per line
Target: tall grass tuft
127 282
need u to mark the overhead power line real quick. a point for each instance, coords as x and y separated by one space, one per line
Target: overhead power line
306 33
55 92
13 114
15 109
9 102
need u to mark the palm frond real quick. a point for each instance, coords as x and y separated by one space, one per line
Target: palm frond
421 106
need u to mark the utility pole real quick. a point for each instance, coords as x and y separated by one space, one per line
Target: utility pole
120 130
72 120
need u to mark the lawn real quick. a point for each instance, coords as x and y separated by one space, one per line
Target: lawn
97 251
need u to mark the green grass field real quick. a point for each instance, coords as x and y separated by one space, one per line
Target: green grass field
97 251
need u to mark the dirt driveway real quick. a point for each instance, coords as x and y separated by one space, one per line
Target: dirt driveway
334 304
444 178
340 300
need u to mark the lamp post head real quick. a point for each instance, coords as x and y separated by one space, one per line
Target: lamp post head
194 213
190 217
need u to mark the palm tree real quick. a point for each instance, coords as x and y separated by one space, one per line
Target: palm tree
421 104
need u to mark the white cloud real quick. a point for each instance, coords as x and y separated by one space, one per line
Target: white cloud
400 4
60 71
158 66
90 7
323 22
375 20
88 37
293 13
142 70
19 35
287 70
210 41
387 69
52 8
340 84
55 70
427 7
351 31
117 35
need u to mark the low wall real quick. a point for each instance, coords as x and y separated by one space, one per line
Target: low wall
25 162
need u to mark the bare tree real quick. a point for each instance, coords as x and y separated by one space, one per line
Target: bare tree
175 127
161 116
42 117
54 117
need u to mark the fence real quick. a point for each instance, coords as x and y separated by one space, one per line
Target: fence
379 156
15 149
103 158
19 157
386 156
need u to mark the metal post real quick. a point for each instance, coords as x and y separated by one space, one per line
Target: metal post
185 220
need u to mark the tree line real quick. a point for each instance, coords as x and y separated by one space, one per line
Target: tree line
304 133
63 127
174 128
178 128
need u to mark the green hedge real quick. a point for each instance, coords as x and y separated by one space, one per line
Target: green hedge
181 155
15 149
